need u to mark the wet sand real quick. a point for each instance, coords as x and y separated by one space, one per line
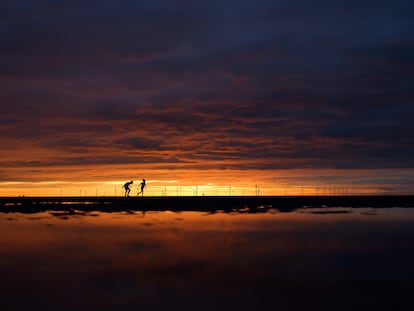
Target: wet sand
307 259
251 253
199 203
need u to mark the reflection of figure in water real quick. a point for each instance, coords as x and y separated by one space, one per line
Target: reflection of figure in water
142 186
126 187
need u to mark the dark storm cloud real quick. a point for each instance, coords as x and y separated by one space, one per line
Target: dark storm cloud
266 84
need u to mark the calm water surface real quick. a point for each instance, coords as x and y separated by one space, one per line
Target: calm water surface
329 258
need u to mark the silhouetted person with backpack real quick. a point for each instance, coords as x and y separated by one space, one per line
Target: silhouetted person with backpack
142 186
126 187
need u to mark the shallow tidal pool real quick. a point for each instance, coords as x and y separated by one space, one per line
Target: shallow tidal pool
309 258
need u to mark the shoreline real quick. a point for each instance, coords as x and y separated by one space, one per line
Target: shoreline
199 203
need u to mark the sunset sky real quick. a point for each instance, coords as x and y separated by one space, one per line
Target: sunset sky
284 94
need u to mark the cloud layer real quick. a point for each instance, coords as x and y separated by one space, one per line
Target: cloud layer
246 85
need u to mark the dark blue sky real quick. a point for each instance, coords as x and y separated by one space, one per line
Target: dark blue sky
205 85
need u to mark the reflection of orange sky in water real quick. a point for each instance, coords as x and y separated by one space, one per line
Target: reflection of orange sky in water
193 259
175 233
52 227
105 180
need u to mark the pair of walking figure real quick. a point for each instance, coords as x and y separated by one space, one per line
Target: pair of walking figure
128 189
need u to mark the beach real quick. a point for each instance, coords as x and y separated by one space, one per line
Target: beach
200 203
201 253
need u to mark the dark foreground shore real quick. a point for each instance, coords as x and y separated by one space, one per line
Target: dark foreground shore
199 203
108 254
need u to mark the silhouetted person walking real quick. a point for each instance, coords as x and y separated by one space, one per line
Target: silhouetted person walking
126 187
142 186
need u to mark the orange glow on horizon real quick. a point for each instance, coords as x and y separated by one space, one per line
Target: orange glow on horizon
106 181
